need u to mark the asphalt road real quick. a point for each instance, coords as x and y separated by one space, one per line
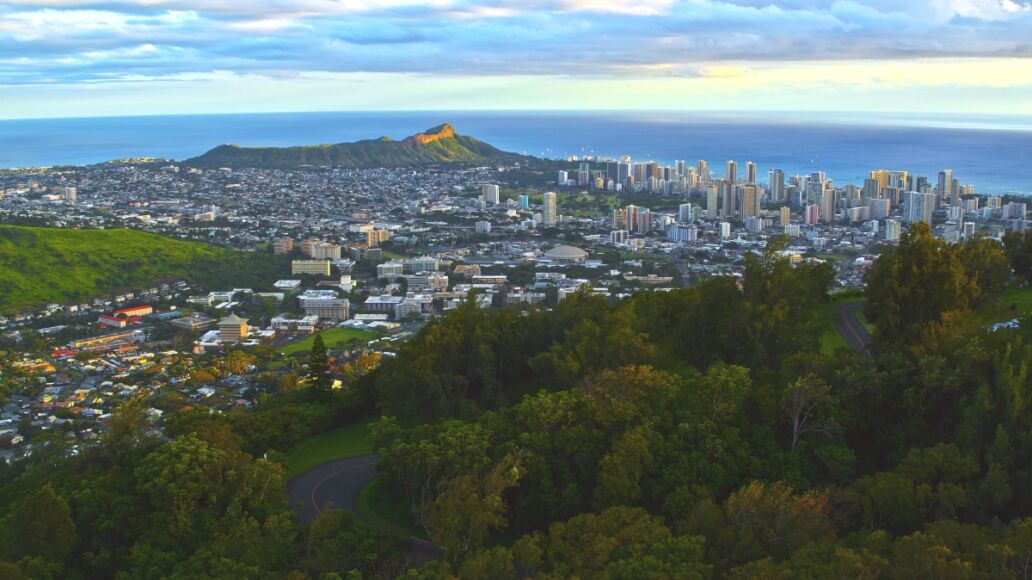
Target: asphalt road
336 484
852 330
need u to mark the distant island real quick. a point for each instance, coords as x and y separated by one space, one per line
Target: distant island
439 145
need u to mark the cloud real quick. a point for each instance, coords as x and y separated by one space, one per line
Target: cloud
723 42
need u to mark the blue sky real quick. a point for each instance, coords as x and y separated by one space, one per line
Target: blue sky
109 57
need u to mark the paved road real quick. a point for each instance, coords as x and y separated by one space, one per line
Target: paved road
852 330
337 483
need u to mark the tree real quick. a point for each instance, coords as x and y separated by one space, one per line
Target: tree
807 403
468 507
1018 247
319 365
43 527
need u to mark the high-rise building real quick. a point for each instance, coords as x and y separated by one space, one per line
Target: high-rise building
549 215
682 233
944 189
918 207
828 205
71 195
750 172
879 208
776 183
727 199
732 171
482 227
811 214
712 197
750 200
685 213
490 193
703 169
524 202
618 237
725 229
892 230
786 215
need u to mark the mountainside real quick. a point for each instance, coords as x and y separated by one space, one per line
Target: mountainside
440 144
43 265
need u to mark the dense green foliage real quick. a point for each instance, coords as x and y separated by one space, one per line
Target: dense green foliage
743 450
43 265
437 145
204 503
698 433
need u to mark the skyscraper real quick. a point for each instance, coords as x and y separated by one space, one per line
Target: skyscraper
776 182
703 168
750 172
750 200
712 196
549 216
945 187
918 207
732 171
828 205
727 201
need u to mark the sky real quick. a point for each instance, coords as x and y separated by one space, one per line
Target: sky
71 58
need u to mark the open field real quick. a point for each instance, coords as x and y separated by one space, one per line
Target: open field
332 338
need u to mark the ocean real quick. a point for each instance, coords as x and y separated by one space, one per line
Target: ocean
992 153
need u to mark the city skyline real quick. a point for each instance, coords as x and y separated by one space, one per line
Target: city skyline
65 58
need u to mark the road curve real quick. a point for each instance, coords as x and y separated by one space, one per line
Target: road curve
852 330
338 483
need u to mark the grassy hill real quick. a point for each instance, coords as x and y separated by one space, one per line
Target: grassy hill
43 265
438 145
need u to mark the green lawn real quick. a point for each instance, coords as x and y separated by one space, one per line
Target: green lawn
1013 303
386 514
333 338
349 441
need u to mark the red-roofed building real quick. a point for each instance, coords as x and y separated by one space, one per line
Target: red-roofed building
130 311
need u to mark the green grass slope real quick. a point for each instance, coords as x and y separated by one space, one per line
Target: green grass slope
435 146
43 265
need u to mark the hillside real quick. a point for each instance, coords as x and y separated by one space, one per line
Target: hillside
438 145
43 265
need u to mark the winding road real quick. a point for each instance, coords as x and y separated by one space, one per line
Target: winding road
852 330
337 484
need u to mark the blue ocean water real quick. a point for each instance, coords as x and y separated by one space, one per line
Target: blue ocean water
993 153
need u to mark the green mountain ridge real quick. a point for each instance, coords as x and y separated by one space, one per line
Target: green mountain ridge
39 266
439 145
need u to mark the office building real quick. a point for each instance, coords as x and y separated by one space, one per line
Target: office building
549 216
232 328
682 233
310 267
